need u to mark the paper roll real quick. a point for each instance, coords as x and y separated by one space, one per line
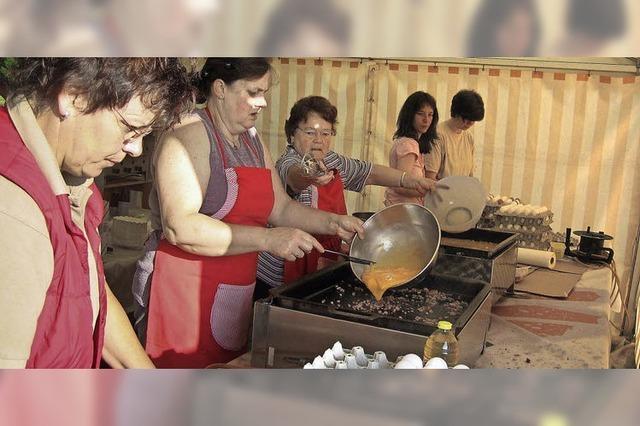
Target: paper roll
544 259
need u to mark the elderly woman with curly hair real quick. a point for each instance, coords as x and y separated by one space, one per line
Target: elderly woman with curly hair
67 120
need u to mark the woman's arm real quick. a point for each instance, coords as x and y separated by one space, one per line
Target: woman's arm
182 176
121 346
411 186
392 177
433 160
287 212
297 180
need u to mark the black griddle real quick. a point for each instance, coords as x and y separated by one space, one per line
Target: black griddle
337 293
499 241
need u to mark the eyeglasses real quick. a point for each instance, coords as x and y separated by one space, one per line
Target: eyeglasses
132 132
322 134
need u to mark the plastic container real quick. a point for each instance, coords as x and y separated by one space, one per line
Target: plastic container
443 344
558 249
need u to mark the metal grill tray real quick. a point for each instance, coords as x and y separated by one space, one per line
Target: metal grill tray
496 242
455 300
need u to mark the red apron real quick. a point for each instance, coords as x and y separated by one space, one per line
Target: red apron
199 306
330 199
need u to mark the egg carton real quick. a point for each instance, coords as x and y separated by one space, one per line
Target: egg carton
538 236
501 200
543 231
543 220
339 358
536 245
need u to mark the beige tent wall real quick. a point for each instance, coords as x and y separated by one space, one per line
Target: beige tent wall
569 141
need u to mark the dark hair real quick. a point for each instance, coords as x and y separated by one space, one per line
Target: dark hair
303 107
229 70
290 14
468 105
414 103
602 19
163 84
491 15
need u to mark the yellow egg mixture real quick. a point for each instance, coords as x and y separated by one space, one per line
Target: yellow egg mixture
393 269
379 279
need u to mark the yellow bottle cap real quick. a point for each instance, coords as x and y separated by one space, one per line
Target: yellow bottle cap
444 325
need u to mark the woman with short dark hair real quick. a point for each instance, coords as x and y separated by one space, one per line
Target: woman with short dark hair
214 193
67 120
452 153
310 129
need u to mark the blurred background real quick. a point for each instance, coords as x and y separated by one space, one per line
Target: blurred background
319 28
366 28
234 397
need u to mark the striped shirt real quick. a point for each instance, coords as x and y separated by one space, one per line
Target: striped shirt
354 174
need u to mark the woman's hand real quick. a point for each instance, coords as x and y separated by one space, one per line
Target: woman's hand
298 180
421 184
325 177
346 227
290 243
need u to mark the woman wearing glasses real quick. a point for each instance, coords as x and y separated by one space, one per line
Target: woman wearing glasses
67 120
309 130
215 192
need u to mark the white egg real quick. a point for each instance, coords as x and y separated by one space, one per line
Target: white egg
405 365
460 367
338 352
436 363
413 359
328 358
318 362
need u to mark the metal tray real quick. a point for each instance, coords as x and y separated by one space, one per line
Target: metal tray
309 293
496 242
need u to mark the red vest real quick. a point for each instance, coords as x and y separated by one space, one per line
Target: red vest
64 335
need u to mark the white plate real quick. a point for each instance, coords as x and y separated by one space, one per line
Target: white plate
462 203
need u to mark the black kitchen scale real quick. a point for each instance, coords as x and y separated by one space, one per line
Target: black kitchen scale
591 246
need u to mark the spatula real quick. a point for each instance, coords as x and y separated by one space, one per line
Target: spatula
351 258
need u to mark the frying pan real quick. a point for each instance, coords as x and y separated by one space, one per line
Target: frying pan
401 235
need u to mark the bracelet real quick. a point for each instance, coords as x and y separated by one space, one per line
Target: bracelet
402 179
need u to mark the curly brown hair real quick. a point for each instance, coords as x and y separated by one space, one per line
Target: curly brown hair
305 106
163 84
